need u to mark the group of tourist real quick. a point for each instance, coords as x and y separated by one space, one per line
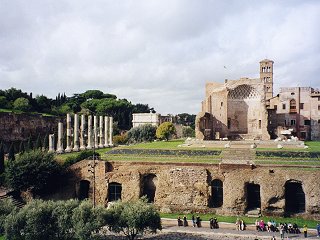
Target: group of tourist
240 224
196 222
270 226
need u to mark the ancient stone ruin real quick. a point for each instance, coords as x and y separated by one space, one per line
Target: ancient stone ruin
229 189
87 135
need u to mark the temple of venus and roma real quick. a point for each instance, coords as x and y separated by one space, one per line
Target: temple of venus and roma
237 109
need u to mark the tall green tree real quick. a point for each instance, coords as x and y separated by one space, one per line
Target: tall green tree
11 154
34 170
21 104
1 158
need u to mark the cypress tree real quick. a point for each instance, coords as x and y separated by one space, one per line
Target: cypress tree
1 158
21 147
38 144
29 144
11 156
46 141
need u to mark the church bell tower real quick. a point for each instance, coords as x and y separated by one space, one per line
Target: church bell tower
266 75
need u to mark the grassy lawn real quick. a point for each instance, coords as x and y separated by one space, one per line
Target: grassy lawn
2 238
195 158
247 220
63 157
314 146
172 144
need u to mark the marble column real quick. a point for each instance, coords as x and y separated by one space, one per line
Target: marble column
106 127
95 131
76 133
68 148
82 132
60 138
101 132
110 131
51 143
89 145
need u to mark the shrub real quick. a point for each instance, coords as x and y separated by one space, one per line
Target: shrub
32 222
187 132
165 131
142 133
120 139
35 170
88 220
61 220
6 207
133 218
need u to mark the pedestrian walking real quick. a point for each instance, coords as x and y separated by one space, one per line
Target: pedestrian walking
305 231
318 230
185 222
281 230
193 221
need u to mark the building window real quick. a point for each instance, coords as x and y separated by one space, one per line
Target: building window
293 122
221 104
318 121
114 191
307 122
293 107
283 106
319 107
275 107
301 105
292 93
259 124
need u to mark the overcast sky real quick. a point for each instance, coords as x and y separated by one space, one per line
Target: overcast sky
159 52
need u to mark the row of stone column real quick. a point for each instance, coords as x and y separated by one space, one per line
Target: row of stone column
97 136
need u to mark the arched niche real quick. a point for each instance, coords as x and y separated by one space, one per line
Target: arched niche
149 186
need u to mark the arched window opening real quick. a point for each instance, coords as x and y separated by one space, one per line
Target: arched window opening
293 106
149 187
253 196
294 198
114 191
83 192
216 193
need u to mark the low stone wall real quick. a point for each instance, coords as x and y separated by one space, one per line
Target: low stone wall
187 187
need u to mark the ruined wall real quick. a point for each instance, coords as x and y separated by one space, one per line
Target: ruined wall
187 187
18 127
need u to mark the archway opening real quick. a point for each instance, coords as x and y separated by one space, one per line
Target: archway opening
295 199
216 193
253 196
114 191
149 187
84 186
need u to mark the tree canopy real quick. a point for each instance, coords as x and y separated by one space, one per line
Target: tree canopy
35 170
165 130
132 218
90 101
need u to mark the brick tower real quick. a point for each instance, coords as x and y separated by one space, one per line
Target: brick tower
266 74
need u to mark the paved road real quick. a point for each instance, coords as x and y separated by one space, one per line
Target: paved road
228 230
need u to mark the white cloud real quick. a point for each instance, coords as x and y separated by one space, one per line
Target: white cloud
152 51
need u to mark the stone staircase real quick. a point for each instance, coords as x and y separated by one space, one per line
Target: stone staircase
238 156
254 213
16 202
